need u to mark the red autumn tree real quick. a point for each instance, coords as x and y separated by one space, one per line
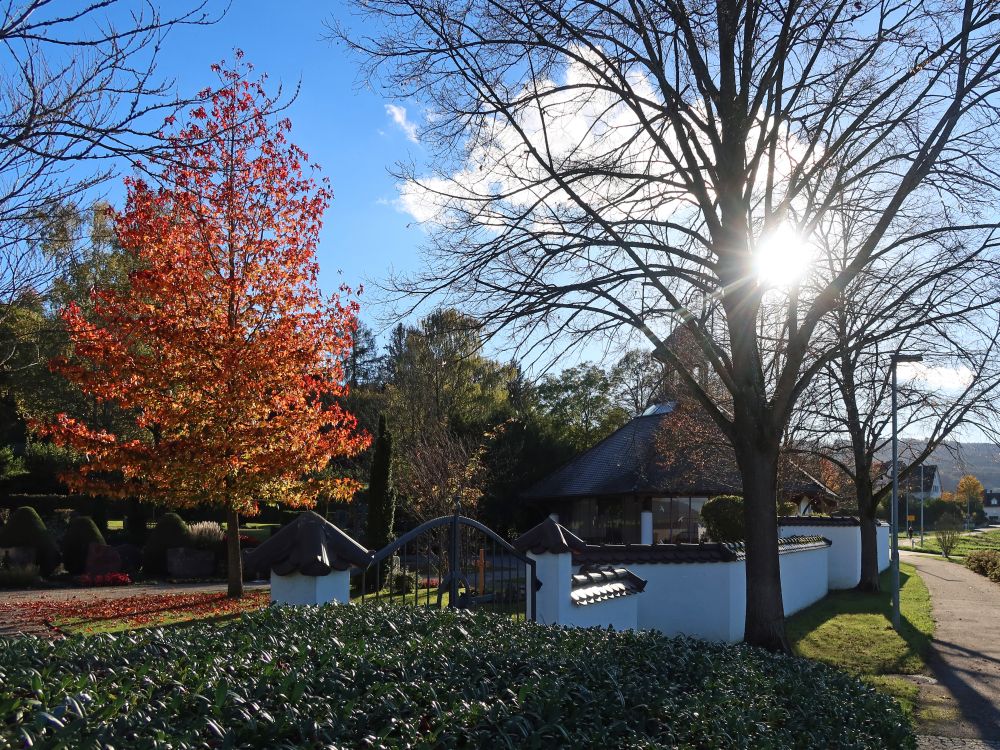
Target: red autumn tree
223 345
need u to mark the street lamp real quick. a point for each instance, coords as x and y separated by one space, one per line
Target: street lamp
894 515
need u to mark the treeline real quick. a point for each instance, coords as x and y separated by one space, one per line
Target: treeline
463 424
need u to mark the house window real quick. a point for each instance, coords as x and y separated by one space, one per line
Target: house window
677 519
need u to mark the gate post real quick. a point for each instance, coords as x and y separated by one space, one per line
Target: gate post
453 561
551 546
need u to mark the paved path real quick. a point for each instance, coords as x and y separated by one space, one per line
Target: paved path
964 702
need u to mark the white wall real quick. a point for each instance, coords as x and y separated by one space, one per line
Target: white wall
552 600
620 613
299 589
706 600
804 577
882 535
845 553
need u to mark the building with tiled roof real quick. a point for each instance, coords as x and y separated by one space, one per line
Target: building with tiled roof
622 491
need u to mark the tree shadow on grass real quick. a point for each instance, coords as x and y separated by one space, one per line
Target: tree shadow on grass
861 650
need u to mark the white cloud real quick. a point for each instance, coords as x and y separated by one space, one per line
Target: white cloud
575 123
398 115
941 377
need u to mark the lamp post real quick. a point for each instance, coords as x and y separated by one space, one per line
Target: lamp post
894 515
923 501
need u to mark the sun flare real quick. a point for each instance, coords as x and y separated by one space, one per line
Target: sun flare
782 258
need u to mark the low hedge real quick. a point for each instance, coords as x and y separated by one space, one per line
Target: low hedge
985 562
381 677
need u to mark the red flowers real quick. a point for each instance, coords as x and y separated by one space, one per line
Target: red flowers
103 579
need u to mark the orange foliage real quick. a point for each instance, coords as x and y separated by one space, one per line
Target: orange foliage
223 345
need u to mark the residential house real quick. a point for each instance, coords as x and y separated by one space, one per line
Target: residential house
623 491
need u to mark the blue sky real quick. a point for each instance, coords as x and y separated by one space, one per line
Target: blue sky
343 125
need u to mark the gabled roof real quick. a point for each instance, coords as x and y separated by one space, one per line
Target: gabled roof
912 482
626 463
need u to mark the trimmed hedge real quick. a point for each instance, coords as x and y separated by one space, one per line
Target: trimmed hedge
76 542
26 529
171 531
393 677
985 562
723 517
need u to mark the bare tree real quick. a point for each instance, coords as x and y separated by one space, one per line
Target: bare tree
940 303
78 87
613 167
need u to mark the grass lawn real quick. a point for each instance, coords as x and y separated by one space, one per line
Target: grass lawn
967 543
853 631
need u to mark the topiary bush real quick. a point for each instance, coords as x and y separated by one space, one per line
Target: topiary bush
392 677
723 518
171 531
26 529
82 531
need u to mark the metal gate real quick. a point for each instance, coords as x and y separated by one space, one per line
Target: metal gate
451 561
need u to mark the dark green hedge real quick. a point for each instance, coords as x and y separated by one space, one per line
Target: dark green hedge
394 677
723 518
171 531
26 529
80 534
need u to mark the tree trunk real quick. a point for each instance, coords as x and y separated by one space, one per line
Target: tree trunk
765 615
869 551
235 560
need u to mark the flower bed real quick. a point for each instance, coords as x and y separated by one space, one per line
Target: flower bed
103 579
406 677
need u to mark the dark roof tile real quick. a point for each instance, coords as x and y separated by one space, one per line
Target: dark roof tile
598 584
627 462
705 552
309 545
548 536
819 521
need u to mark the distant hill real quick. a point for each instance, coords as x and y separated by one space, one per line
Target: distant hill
956 459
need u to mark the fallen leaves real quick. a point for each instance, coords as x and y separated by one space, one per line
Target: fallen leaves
87 613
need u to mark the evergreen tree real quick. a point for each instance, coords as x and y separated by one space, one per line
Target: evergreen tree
381 496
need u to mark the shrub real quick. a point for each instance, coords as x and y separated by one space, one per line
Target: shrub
207 535
171 531
82 531
414 677
983 561
947 533
103 579
19 576
723 517
26 529
401 582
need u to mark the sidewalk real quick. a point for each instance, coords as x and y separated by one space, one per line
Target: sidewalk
964 699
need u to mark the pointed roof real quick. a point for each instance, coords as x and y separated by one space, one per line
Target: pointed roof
309 545
627 462
549 537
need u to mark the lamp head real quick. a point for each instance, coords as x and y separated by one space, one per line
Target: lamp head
897 358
